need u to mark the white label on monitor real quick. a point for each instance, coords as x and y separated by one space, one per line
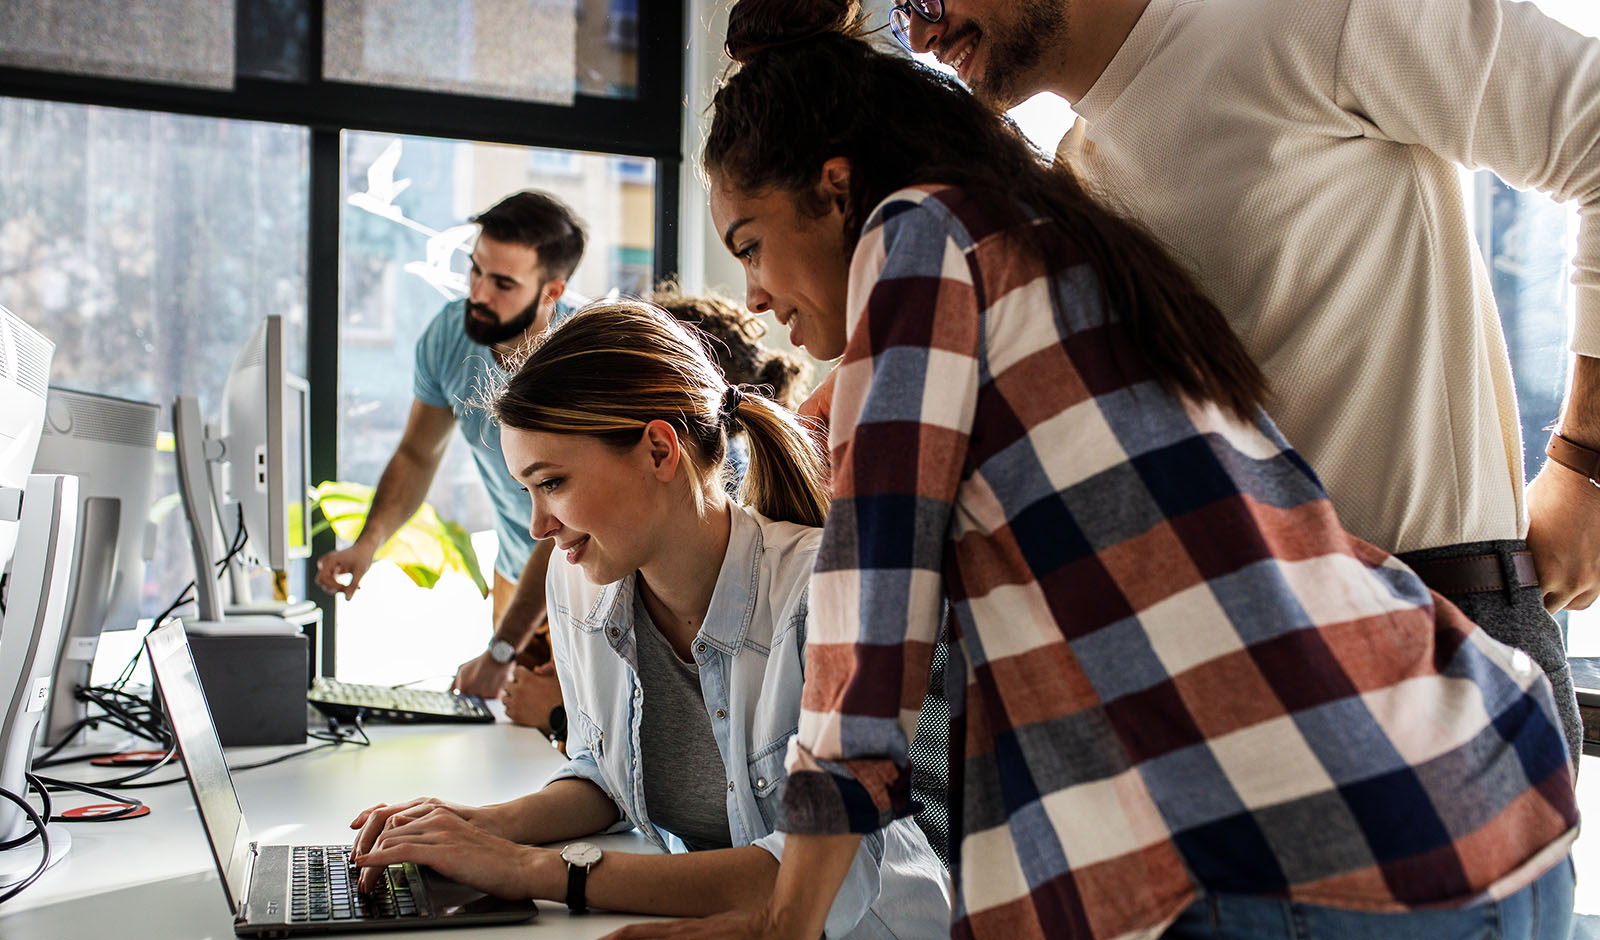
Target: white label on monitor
40 696
82 648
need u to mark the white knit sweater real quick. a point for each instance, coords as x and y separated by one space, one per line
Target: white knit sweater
1300 156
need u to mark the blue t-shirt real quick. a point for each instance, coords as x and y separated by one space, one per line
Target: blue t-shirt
452 372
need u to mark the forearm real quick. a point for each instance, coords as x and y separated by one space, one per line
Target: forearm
566 809
1580 414
813 869
689 884
527 605
399 494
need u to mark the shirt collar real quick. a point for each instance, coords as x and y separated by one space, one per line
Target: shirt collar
733 601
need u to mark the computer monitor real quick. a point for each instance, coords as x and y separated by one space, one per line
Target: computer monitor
37 535
24 375
263 460
109 444
263 429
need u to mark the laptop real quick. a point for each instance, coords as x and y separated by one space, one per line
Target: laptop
278 890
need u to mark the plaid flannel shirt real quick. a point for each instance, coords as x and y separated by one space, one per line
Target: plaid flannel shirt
1182 674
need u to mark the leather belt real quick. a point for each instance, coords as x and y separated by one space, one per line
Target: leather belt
1472 574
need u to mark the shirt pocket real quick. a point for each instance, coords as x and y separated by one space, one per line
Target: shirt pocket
767 778
587 731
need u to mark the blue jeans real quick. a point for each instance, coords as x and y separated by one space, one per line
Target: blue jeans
1541 911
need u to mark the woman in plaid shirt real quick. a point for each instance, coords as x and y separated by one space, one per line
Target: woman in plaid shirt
1193 702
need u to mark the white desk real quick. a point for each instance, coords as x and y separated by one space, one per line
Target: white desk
154 877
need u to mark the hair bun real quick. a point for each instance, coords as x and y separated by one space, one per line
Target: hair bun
754 26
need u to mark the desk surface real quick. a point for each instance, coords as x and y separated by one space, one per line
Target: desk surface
154 877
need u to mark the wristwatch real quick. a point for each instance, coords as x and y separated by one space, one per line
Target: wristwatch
580 857
558 723
502 652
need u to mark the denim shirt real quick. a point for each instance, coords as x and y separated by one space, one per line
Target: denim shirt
750 651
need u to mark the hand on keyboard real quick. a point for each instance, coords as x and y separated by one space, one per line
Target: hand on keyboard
434 834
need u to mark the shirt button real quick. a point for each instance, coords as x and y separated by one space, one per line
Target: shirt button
615 633
700 647
730 785
761 783
721 713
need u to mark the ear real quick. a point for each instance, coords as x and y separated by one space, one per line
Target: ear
552 291
833 183
663 449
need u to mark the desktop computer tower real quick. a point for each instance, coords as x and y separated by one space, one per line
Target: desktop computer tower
255 686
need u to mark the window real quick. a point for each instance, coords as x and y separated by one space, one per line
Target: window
187 42
149 247
540 50
402 257
208 160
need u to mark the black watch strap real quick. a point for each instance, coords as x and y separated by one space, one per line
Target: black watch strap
558 723
577 883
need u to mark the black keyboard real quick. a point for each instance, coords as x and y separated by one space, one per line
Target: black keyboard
348 700
322 887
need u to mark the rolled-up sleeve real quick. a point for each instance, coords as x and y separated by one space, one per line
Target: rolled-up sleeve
904 399
581 765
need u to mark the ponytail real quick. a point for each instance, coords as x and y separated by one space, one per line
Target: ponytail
787 478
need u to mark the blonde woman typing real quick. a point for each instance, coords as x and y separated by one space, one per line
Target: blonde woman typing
678 626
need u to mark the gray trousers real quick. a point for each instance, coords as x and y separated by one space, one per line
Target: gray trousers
1517 617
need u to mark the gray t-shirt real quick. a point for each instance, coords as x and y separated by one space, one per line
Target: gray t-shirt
685 785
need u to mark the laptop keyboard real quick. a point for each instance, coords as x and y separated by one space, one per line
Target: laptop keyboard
322 887
343 700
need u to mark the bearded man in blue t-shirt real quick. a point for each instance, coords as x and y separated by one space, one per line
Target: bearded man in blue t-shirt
528 245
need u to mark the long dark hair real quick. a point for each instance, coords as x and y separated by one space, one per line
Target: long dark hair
735 344
809 87
611 368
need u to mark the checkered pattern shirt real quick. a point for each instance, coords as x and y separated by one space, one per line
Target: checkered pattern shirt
1182 675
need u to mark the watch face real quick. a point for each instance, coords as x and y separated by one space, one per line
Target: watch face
581 853
502 652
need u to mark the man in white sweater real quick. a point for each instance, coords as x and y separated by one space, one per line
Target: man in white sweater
1301 157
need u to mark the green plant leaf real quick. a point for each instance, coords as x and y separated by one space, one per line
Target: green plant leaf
425 548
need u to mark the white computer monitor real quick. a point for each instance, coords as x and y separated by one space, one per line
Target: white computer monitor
109 444
260 451
24 375
39 533
264 433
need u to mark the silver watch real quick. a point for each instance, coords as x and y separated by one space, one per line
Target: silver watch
580 857
502 652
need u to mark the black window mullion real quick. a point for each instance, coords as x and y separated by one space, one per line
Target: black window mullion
322 356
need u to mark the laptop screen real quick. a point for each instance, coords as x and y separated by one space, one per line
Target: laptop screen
201 751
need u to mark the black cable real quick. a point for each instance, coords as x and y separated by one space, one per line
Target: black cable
44 799
241 538
44 840
335 738
129 805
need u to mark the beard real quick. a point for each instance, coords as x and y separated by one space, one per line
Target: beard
1014 53
493 332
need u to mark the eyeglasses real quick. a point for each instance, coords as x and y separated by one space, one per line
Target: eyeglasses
900 17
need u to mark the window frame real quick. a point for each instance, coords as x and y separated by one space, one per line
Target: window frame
649 125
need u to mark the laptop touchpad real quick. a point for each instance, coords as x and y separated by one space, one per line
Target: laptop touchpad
454 899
